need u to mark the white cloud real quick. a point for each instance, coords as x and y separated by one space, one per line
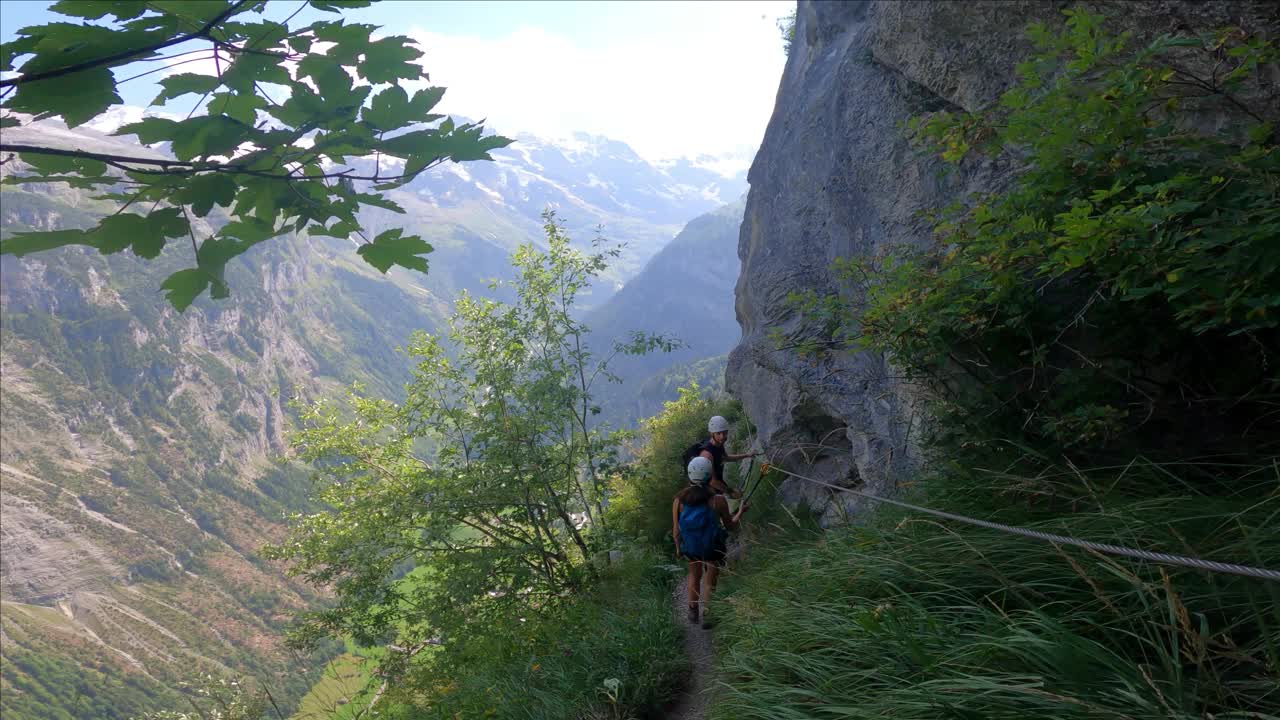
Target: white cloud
703 86
118 115
706 91
197 62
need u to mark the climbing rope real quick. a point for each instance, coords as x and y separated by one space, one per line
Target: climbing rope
1166 558
747 479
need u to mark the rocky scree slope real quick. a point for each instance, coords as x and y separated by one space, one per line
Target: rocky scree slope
835 177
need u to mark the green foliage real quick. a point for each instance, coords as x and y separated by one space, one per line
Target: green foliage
613 652
45 686
1097 342
478 499
640 503
787 26
1120 297
279 122
222 698
389 248
645 398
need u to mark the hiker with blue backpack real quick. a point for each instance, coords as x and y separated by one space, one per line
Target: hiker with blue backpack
700 526
715 450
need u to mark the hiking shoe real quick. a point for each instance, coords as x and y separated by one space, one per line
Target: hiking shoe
693 616
707 622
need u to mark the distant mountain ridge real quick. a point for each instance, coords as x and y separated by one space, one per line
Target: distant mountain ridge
686 291
590 174
592 182
476 213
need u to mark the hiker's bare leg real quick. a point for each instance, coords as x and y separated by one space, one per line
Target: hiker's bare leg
712 574
695 581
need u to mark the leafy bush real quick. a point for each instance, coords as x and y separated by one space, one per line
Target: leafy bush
460 530
504 513
611 653
222 698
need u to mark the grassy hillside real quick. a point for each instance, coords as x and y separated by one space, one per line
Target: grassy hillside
914 618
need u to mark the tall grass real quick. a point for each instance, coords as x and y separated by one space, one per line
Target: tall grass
912 618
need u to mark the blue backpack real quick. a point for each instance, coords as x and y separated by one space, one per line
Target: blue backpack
699 530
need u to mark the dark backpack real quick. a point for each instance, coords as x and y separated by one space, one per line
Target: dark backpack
699 530
692 452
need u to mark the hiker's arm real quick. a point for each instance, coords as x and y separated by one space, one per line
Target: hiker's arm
675 523
717 483
719 486
731 520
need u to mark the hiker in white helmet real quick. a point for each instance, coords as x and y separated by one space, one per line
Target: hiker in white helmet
700 524
713 449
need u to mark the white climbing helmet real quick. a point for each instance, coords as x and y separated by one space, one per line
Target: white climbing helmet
717 424
699 470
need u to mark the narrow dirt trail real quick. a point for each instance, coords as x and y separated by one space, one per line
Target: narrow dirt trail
692 703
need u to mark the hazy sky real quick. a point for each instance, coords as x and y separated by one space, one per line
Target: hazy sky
668 78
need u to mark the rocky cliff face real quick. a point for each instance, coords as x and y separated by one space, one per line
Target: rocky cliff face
835 177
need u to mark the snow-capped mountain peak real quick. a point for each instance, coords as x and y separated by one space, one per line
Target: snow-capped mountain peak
597 177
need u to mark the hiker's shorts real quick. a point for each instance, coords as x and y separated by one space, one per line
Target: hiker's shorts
716 557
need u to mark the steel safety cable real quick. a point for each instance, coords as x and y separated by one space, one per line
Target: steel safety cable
1166 558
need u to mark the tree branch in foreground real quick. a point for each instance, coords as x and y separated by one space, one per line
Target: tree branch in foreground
126 54
186 167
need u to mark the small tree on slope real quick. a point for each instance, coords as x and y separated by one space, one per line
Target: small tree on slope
502 512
